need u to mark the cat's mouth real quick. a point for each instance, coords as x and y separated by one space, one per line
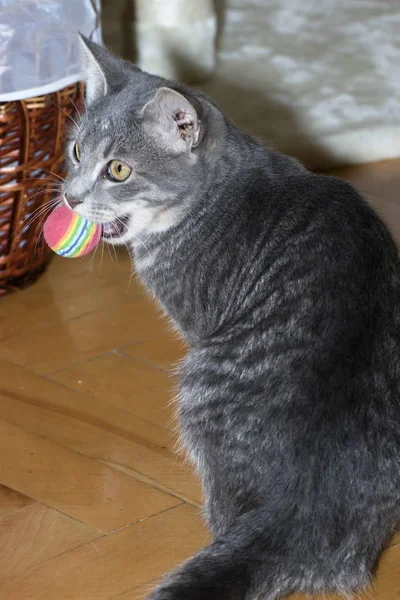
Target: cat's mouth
115 229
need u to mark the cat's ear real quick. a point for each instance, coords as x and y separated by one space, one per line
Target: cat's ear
92 55
173 119
102 71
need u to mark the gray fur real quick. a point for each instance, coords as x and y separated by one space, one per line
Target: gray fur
286 286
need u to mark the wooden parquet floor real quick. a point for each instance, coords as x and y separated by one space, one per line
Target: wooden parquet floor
94 503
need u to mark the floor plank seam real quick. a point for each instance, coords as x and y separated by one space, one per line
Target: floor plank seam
149 481
110 351
140 361
51 323
95 460
61 512
86 395
142 519
102 536
39 565
118 351
90 359
102 425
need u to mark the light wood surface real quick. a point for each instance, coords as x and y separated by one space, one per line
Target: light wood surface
94 502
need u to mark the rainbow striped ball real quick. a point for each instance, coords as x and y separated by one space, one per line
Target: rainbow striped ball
70 235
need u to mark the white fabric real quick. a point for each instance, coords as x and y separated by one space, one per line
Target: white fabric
176 38
39 44
317 78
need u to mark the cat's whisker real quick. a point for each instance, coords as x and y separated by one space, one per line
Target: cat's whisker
43 190
136 236
46 179
46 187
116 256
110 255
89 267
41 225
65 112
91 263
48 206
102 253
52 201
133 269
160 240
142 242
76 108
84 102
127 248
109 251
53 174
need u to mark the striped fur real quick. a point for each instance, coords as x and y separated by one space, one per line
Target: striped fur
286 287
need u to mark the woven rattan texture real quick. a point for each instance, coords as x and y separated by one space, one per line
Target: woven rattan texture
32 135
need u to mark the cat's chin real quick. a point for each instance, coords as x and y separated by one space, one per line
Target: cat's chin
114 232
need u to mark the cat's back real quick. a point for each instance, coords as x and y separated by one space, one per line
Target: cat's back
281 204
313 290
330 229
309 236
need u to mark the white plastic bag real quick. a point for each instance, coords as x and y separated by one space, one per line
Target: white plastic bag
39 44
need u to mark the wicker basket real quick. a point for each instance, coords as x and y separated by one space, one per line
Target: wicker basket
32 134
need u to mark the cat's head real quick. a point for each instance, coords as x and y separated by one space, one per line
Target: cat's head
141 150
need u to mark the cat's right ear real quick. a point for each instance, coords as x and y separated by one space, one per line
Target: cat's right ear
102 71
93 74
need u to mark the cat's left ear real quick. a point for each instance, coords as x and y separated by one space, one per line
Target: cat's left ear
174 120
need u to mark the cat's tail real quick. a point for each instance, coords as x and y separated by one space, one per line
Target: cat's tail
263 557
246 561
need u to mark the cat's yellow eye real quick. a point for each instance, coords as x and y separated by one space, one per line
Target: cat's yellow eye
118 170
77 152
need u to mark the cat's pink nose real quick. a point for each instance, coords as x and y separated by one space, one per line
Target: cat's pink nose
71 201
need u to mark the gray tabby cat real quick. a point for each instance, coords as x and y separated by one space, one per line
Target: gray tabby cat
286 286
